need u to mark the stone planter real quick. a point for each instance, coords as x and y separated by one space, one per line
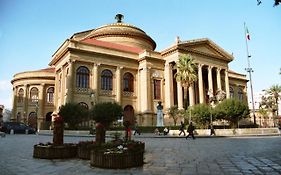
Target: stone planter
55 151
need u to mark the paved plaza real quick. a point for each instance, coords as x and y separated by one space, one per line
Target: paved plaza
163 156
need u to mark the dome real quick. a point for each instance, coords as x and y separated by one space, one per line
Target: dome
125 34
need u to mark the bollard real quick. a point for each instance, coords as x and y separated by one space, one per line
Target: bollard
12 131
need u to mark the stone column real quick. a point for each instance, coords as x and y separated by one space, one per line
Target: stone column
69 82
168 88
40 113
191 95
226 84
219 78
25 99
200 83
118 84
15 94
180 97
210 80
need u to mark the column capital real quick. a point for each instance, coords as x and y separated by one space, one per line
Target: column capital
97 64
200 65
210 67
146 68
119 67
70 61
42 84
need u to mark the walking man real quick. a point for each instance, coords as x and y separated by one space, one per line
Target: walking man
182 129
190 130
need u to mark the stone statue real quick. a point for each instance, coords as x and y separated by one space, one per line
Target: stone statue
160 120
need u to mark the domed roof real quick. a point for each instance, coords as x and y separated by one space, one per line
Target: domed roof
125 34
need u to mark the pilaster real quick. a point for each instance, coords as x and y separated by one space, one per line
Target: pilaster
118 84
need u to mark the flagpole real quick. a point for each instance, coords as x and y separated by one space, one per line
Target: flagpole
250 70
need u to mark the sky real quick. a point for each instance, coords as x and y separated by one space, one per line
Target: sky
31 31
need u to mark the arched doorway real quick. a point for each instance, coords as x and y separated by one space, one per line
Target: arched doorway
32 120
129 114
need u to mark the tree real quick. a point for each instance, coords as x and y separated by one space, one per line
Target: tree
231 110
274 91
73 114
104 114
173 113
186 72
263 114
201 114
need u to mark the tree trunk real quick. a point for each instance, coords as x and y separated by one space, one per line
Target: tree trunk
100 133
58 133
185 99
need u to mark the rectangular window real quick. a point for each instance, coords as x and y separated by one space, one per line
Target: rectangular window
157 89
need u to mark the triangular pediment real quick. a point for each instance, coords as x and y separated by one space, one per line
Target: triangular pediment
206 47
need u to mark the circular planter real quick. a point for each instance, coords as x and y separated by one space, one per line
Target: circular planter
84 153
131 157
55 152
117 160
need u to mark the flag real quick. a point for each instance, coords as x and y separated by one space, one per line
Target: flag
247 34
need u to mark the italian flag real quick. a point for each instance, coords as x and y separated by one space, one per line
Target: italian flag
247 34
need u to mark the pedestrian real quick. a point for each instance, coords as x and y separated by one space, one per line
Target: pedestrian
182 126
212 130
190 130
166 131
137 129
156 131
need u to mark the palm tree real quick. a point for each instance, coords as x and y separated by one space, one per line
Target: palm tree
275 92
186 72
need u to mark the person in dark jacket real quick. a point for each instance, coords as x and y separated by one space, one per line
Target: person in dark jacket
182 129
190 130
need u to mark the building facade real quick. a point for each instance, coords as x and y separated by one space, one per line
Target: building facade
118 62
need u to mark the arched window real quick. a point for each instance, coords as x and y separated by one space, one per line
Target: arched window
34 95
50 95
106 80
82 77
231 92
84 105
128 82
240 94
20 95
157 89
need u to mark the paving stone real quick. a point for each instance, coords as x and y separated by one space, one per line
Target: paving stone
253 155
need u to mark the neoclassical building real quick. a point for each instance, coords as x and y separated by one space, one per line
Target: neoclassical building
118 62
